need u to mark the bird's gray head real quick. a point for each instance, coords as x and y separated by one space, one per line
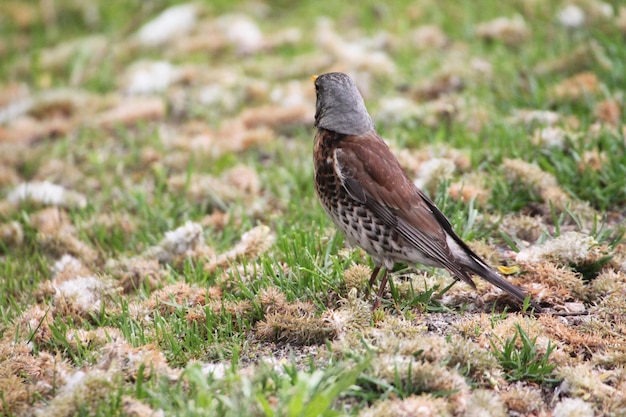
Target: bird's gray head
340 107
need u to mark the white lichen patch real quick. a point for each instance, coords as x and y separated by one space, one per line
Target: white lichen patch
415 405
550 137
178 242
535 117
168 25
83 389
431 173
568 248
511 31
573 407
253 243
65 263
149 77
354 315
485 403
545 185
584 381
571 16
121 357
81 295
48 194
357 55
242 32
428 37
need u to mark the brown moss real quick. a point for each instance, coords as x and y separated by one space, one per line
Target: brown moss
524 227
576 88
82 296
415 405
437 86
581 58
608 111
233 136
130 111
124 222
554 284
297 324
180 294
85 390
51 220
544 185
511 31
431 347
60 172
275 116
475 361
24 376
423 377
592 160
584 381
236 309
132 407
272 299
63 242
34 323
253 243
136 273
11 234
93 339
608 282
428 37
15 394
468 192
575 342
216 220
357 276
180 244
523 399
196 314
353 315
620 20
483 328
120 357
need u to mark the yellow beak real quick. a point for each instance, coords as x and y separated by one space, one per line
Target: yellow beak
314 77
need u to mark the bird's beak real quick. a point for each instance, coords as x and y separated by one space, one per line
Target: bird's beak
314 77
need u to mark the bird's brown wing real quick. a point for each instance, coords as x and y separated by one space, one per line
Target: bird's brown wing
373 176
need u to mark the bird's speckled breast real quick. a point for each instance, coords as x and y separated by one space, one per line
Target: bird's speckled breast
360 226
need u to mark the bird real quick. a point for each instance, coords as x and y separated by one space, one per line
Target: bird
373 202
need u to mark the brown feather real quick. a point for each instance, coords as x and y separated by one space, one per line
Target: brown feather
387 188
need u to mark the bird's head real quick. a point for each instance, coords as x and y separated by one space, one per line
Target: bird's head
340 107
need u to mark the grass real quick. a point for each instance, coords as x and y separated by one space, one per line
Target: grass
525 362
258 307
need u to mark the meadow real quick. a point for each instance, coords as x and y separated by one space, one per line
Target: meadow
163 253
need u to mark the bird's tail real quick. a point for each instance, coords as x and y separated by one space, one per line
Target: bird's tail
482 270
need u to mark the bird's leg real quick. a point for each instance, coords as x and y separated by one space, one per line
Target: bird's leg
381 290
372 279
383 283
